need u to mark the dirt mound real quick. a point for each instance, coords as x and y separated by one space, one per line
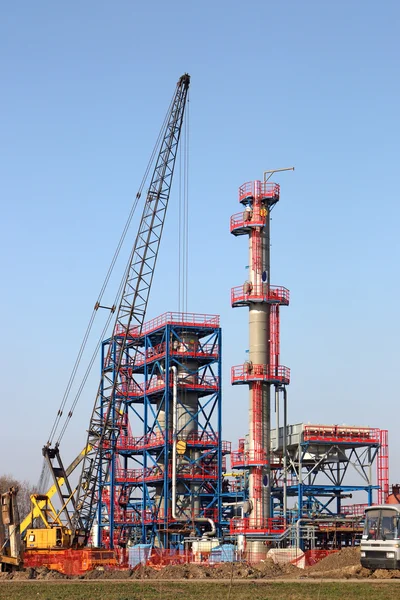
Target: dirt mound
348 557
45 573
383 574
350 572
265 569
40 573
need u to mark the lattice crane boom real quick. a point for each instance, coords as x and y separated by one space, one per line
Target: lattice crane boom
103 427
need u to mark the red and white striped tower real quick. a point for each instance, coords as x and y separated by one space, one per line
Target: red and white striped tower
262 370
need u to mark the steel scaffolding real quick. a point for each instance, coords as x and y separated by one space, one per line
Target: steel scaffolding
327 464
165 471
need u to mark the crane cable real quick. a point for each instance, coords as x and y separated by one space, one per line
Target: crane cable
183 219
183 229
97 305
186 186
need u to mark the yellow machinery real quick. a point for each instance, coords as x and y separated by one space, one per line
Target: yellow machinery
39 505
54 535
53 538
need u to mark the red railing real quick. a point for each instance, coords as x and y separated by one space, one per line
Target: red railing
159 516
157 474
354 510
268 373
259 189
383 466
291 479
121 515
247 219
275 525
184 349
154 440
340 433
240 458
172 318
210 513
263 292
226 447
194 382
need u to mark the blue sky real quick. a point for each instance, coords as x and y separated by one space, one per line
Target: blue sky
313 84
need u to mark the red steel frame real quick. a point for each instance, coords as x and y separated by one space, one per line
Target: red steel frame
243 294
383 467
341 433
257 198
268 373
264 190
175 318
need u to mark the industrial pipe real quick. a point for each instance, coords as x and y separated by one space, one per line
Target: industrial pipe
313 521
284 450
174 436
210 522
174 440
276 447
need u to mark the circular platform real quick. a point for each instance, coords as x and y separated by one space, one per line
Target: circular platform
264 373
245 294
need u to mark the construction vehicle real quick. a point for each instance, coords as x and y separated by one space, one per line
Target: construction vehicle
64 534
49 532
380 542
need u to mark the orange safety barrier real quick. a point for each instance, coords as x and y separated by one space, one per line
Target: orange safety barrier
77 562
70 562
311 557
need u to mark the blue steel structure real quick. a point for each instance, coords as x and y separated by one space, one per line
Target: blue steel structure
328 463
136 500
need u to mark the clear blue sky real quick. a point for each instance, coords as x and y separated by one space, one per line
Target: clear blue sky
307 83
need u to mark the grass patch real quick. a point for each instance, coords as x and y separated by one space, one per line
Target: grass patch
196 590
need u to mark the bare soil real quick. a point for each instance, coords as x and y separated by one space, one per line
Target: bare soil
344 564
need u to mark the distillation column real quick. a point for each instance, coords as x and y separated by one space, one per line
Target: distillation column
187 424
262 370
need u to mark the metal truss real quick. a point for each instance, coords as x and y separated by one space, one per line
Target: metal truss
319 473
140 461
104 422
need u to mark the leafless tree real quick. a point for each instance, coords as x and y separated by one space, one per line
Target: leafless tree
25 489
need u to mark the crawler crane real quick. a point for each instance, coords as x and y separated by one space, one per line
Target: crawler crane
68 530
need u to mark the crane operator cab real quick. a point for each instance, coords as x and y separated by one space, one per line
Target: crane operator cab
54 538
380 542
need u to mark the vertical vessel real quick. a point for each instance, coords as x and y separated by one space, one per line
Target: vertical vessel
263 369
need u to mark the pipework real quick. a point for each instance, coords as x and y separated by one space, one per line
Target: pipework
263 368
